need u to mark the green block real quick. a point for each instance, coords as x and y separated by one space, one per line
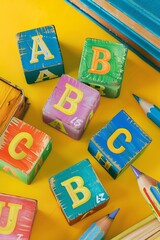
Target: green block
102 66
78 191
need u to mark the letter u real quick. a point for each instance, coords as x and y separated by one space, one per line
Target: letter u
12 217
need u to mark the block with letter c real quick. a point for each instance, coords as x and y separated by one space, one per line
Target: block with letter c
118 144
23 149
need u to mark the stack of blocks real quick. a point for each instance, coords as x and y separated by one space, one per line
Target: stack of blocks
102 66
71 106
118 144
78 191
40 54
17 216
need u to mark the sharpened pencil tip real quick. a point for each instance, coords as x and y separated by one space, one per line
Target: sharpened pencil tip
114 213
136 171
136 97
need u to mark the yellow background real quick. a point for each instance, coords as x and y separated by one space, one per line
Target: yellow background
139 78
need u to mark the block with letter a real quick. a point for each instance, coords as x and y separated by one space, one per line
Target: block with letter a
16 217
78 191
102 66
23 149
40 54
71 106
118 144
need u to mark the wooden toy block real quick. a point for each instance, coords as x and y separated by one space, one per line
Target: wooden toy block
78 191
118 144
12 103
102 66
16 217
23 149
71 106
40 54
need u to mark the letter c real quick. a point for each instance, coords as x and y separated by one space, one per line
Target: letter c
112 138
14 143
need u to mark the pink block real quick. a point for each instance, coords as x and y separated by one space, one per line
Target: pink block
71 106
16 217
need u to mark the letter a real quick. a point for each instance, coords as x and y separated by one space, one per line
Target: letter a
12 217
105 66
72 101
38 42
80 189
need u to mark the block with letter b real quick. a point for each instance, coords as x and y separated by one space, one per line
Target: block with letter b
17 216
118 144
23 149
102 66
71 106
40 54
78 191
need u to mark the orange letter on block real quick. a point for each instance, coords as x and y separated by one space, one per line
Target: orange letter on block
103 61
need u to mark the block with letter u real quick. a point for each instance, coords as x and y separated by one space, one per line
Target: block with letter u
71 106
118 144
16 216
78 191
23 149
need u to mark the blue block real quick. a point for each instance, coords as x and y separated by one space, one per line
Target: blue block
118 144
78 191
40 54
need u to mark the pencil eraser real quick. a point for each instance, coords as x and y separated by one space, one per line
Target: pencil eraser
71 106
118 144
102 66
78 191
23 150
17 216
40 54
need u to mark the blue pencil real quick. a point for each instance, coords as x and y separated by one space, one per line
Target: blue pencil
99 229
152 111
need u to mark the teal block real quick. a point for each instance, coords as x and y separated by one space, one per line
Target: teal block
40 54
102 66
118 144
78 191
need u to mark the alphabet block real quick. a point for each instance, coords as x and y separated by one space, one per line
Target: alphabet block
23 149
78 191
102 66
17 216
118 144
71 106
40 54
